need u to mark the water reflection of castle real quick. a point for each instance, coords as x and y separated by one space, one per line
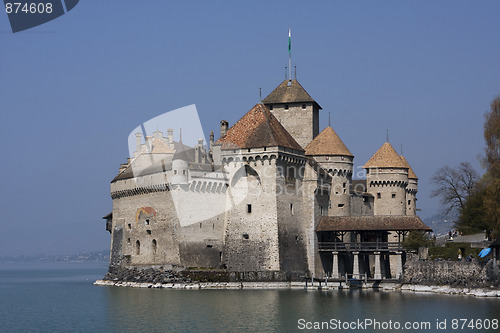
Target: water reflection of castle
272 194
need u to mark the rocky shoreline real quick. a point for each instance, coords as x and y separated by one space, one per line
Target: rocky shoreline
421 277
395 287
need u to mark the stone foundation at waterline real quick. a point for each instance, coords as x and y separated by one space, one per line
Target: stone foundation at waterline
169 274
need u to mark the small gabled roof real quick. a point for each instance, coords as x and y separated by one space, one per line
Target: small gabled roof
256 129
289 91
385 157
327 143
411 173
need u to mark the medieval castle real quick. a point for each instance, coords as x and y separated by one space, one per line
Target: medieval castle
273 195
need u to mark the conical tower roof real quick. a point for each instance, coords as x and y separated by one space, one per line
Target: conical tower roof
327 143
258 128
289 91
411 173
385 157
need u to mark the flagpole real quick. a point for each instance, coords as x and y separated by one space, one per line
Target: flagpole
289 53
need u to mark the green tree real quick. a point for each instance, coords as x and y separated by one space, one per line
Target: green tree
472 217
416 239
492 162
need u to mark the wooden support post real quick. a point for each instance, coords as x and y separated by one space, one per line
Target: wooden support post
355 266
335 267
378 270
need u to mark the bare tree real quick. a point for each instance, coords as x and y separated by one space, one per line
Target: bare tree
454 186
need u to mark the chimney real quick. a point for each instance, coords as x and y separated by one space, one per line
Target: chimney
197 151
224 125
170 138
211 140
138 143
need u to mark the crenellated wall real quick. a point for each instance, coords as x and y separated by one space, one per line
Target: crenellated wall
388 187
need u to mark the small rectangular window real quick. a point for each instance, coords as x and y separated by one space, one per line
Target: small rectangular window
175 172
245 236
249 208
129 226
379 195
184 172
303 106
270 107
149 232
341 205
286 106
409 202
393 195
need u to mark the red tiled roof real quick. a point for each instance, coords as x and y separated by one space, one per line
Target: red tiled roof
411 173
327 143
258 128
385 157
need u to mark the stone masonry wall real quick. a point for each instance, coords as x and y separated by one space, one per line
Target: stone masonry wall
451 273
302 124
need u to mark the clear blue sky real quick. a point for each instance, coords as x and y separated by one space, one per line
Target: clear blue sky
72 90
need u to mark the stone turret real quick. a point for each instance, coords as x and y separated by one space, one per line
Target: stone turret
180 168
261 157
387 180
411 190
331 153
296 110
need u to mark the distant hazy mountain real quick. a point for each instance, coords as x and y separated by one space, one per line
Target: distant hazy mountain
84 256
439 224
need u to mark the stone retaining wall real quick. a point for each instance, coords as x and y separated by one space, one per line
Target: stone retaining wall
451 273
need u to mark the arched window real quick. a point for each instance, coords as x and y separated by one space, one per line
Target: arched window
154 246
137 247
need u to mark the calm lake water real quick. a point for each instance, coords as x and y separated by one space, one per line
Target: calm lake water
60 297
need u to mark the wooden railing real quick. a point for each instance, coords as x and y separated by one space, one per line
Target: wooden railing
363 246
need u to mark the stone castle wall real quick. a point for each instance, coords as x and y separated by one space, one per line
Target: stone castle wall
165 236
301 123
251 238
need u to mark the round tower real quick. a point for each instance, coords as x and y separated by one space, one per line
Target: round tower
180 167
411 190
332 155
387 181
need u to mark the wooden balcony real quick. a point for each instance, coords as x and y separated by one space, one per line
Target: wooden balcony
360 247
